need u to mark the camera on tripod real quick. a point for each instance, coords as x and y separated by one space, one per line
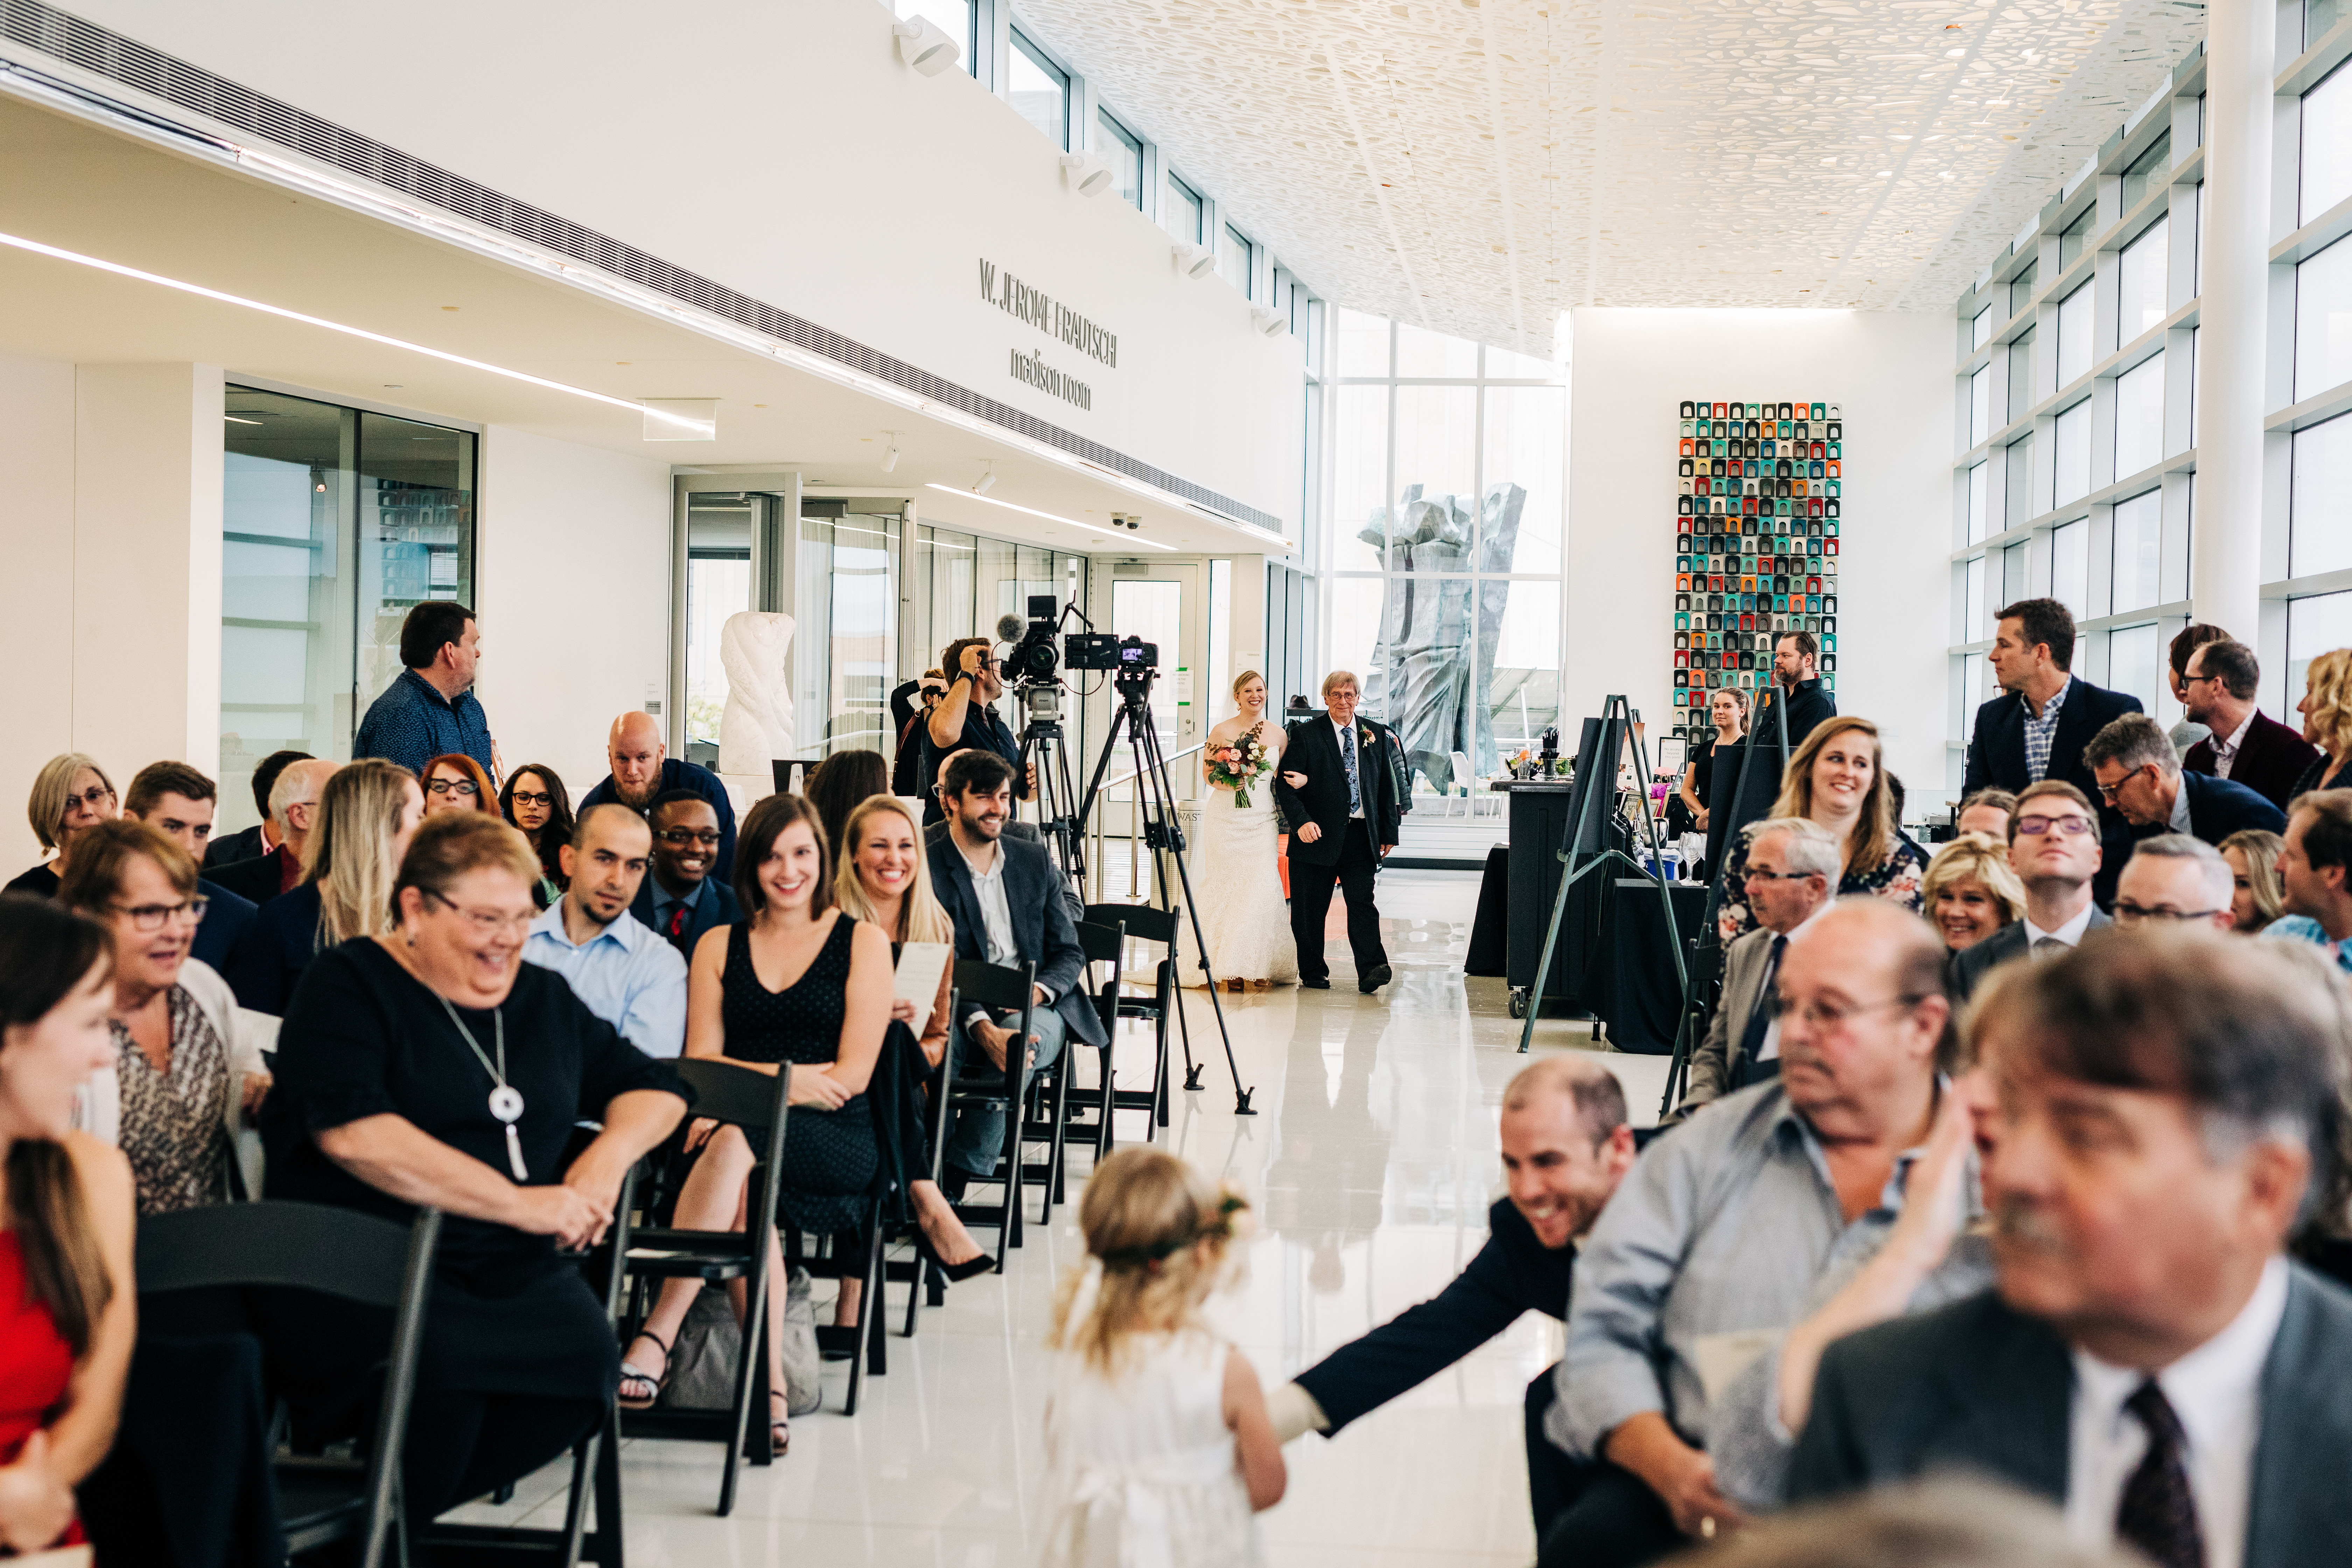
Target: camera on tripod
1036 660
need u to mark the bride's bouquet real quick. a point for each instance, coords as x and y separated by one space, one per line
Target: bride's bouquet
1240 763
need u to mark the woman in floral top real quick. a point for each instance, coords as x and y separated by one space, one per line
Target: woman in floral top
1836 780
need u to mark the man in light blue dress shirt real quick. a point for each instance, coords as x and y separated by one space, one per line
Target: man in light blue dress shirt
2315 871
627 974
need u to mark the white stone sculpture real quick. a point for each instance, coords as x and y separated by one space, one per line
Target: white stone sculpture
756 726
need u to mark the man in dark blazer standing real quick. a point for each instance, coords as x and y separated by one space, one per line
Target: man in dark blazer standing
2246 746
2148 1359
1003 894
2137 770
1335 791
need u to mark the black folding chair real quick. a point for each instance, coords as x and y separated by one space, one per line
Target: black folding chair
1103 944
844 1341
976 1083
1145 923
338 1252
734 1096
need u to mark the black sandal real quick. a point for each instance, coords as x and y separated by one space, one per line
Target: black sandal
652 1381
779 1428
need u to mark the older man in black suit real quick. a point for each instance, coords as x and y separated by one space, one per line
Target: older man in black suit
2148 1359
1336 793
2137 770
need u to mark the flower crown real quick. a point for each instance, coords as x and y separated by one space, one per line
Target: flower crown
1223 1226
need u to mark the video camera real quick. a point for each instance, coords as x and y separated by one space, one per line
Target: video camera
1035 660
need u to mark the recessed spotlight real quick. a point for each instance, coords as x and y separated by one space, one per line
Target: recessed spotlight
393 386
987 481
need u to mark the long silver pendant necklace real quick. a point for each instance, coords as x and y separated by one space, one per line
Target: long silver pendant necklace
506 1101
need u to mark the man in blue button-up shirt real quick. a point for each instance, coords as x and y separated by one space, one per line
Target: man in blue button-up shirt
431 711
627 975
2315 871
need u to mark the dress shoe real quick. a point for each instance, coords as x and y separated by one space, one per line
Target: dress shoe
1315 985
1374 978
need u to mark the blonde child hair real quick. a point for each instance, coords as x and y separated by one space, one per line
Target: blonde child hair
1161 1233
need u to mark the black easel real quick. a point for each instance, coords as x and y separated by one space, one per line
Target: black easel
1596 780
1706 947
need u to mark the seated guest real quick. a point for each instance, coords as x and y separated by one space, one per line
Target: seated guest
66 1302
2245 745
1988 812
2186 641
1565 1149
907 763
1725 1225
367 813
1002 892
681 900
2256 900
2053 847
1971 892
1837 778
2326 709
643 772
391 1049
535 803
2173 879
178 802
842 783
430 709
187 1068
628 976
799 981
2314 868
1789 864
71 795
966 720
293 813
2137 775
252 842
455 782
2148 1359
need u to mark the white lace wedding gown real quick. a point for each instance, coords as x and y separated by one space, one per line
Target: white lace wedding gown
1238 890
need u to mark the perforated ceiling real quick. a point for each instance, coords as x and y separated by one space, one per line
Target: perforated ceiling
1479 165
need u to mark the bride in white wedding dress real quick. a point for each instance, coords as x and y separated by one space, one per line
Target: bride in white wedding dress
1234 876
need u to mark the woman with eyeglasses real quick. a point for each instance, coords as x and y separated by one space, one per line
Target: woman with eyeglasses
367 813
71 795
539 808
455 782
426 1064
187 1069
1839 779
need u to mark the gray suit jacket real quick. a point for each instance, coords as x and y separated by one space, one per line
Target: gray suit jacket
1977 1386
1968 968
1712 1067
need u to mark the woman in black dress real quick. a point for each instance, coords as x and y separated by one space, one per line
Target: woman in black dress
797 981
432 1066
1728 709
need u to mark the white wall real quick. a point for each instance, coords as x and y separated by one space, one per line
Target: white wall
573 569
37 488
1891 375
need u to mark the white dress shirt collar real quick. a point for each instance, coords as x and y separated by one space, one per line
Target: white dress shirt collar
2070 934
2216 1392
2226 752
1345 735
2179 823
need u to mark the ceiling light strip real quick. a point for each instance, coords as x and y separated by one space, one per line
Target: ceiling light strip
1050 517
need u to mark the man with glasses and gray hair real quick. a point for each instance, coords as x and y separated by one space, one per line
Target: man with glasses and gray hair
2138 771
2053 847
2174 880
1716 1243
1793 867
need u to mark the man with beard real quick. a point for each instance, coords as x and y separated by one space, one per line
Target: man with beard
1716 1243
643 770
2148 1359
681 898
965 718
626 973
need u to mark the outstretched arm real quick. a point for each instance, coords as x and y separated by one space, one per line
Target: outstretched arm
1418 1343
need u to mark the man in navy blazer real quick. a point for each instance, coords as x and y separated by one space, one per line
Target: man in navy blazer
2137 770
2148 1359
1003 894
685 892
2246 745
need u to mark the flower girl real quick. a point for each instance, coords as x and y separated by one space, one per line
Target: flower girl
1156 1433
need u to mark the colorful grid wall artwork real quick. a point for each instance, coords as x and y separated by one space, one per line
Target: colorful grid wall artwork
1756 542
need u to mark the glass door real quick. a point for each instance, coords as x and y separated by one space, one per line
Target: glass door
718 584
1166 603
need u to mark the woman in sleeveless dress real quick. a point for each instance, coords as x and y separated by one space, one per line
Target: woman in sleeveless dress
66 1198
797 981
1236 884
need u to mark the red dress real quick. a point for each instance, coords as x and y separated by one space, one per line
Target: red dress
35 1365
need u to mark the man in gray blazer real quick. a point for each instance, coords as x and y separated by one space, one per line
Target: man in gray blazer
2150 1359
1793 866
2053 847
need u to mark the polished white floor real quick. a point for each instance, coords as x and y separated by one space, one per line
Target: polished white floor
1372 1159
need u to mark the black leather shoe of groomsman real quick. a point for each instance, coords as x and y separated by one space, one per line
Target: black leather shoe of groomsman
1373 979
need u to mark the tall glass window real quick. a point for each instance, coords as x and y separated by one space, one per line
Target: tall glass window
2072 474
2313 625
1040 90
718 584
2140 282
1180 213
1237 260
2017 492
846 656
1976 501
2139 416
2319 506
2139 552
1124 147
2076 236
2074 334
1976 614
2326 162
2322 322
1979 405
2133 656
2020 376
2147 170
2070 567
2021 287
1980 330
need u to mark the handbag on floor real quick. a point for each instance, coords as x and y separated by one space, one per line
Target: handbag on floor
702 1365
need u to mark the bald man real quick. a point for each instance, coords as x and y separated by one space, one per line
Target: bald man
643 771
1565 1148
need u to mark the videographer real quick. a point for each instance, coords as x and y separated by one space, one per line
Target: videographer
965 718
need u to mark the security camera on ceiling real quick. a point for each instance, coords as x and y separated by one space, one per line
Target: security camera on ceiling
1269 321
1195 260
1090 173
925 46
890 455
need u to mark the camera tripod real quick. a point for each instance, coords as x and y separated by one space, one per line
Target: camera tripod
1044 746
1162 835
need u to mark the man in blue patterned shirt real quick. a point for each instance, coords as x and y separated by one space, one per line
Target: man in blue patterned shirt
431 710
2314 871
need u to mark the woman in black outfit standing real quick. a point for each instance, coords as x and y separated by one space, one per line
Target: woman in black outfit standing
432 1066
1728 709
800 981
